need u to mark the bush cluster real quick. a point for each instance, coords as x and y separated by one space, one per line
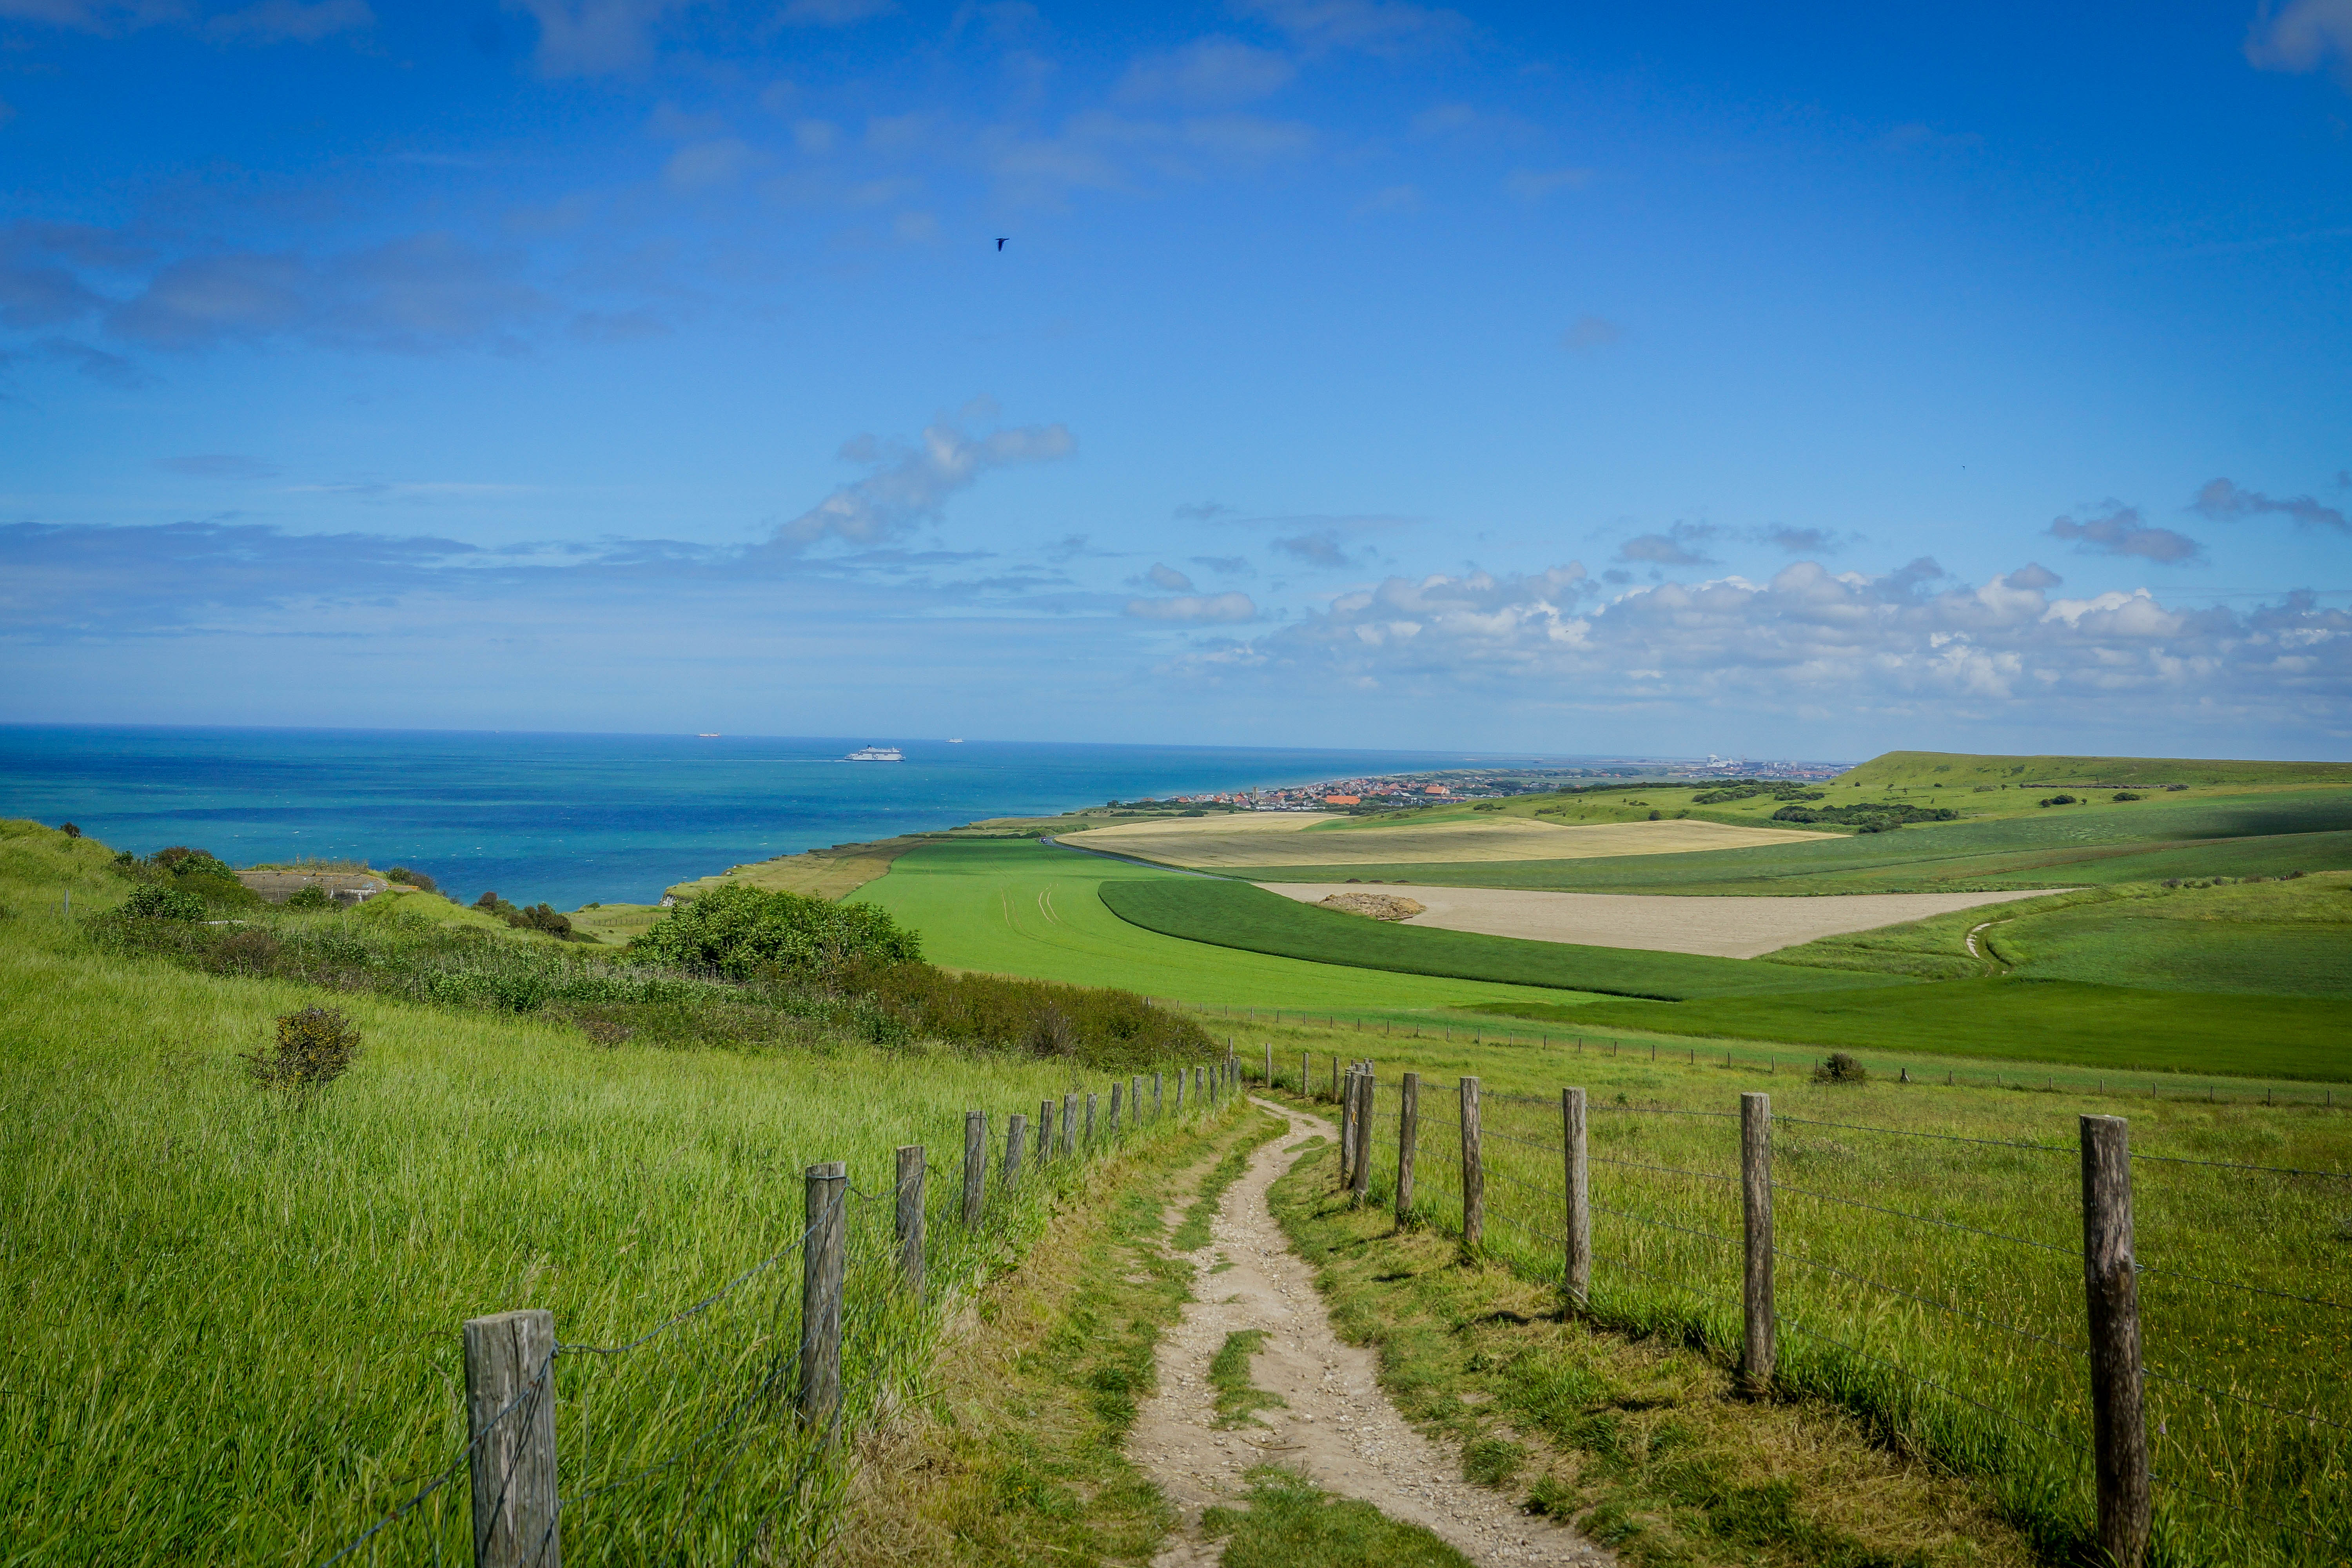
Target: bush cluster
158 901
2059 800
540 917
1779 789
746 933
310 896
196 872
1841 1068
1867 816
312 1048
416 879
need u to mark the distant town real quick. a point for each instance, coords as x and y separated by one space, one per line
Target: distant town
1391 792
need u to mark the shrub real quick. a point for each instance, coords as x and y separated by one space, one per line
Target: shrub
69 831
1841 1068
160 903
2171 788
313 1046
416 879
310 896
743 932
2058 800
2126 795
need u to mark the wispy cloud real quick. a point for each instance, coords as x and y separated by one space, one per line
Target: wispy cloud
1679 545
1211 72
2222 500
1588 333
1372 27
2303 35
1224 609
2119 531
909 482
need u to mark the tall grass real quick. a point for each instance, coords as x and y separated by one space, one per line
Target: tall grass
1935 1283
232 1318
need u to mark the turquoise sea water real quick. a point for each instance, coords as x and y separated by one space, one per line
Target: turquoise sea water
576 818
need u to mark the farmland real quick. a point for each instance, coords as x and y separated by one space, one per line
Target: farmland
1019 907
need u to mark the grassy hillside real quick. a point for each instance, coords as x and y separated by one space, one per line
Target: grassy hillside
173 1229
1958 770
1236 915
1019 907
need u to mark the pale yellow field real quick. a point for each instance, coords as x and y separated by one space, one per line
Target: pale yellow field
1286 838
1719 927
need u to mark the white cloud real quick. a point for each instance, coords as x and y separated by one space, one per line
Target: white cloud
1167 577
1678 546
2301 35
910 484
1813 643
1207 72
1211 608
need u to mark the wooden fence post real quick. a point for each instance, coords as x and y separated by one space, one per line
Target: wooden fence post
911 1206
1269 1064
1347 1132
1155 1094
1304 1083
824 1199
1014 1129
1756 1210
1069 1124
1090 1120
1579 1176
1115 1087
1408 1128
1045 1130
510 1361
2118 1407
1474 1170
1135 1102
975 1167
1361 1181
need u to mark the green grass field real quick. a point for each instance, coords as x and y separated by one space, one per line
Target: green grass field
2230 1256
233 1315
2019 1020
1237 915
1019 906
2231 833
1961 770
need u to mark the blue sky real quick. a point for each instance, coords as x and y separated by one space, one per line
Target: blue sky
1800 381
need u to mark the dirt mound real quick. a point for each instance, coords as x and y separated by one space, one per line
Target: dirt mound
1379 906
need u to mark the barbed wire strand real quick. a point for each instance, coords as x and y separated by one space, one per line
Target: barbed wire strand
1942 1137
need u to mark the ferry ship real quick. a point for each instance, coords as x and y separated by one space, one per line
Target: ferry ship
876 754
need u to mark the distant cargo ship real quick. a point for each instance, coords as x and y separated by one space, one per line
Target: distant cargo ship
876 754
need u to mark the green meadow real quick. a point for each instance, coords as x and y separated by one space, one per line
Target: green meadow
1957 1331
1019 906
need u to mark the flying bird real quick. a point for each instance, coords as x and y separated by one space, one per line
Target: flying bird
1001 239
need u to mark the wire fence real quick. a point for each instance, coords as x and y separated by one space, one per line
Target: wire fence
1793 1058
1937 1284
708 1435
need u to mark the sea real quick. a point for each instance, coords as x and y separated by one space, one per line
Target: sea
575 819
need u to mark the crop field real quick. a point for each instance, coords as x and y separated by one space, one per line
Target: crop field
1929 1268
1718 928
1019 906
1237 915
1271 839
2238 835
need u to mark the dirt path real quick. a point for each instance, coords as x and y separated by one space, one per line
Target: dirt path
1336 1426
